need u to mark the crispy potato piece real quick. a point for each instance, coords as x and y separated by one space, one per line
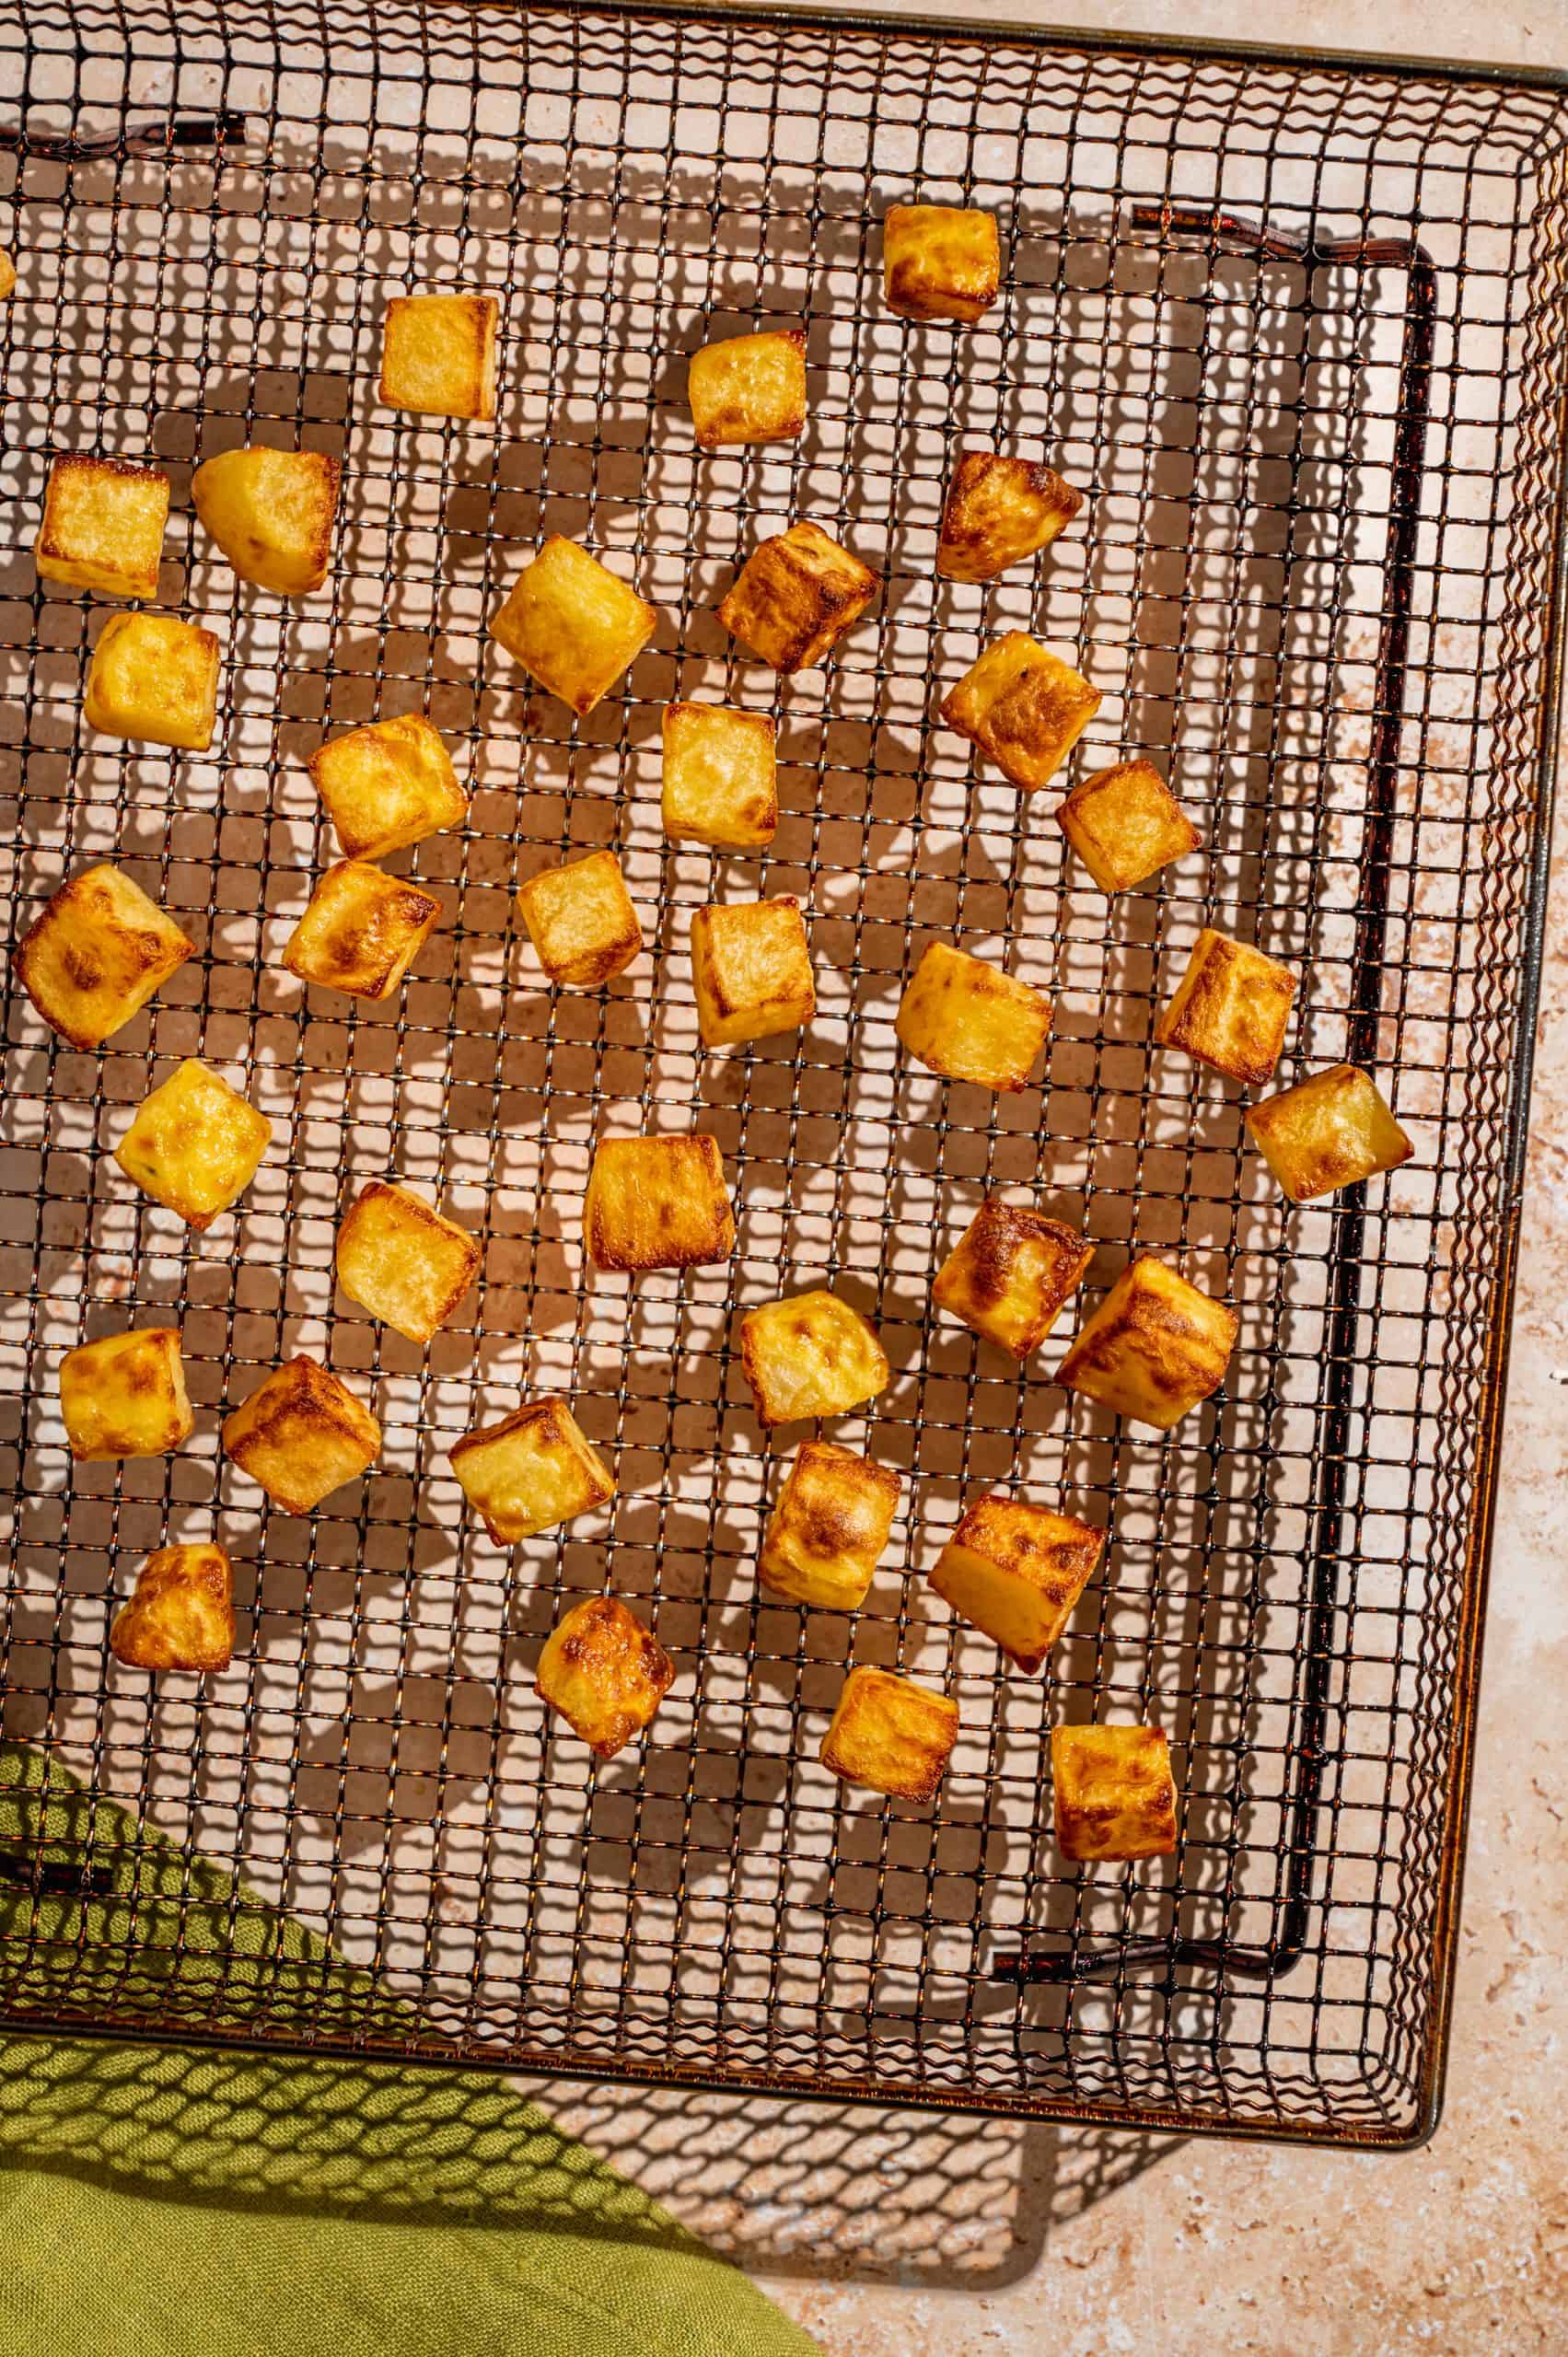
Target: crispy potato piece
1125 825
1115 1795
720 776
751 966
1230 1009
810 1356
1015 1571
154 680
890 1734
999 512
125 1396
830 1527
795 597
8 276
1154 1348
604 1673
301 1434
272 514
530 1471
438 354
1327 1133
103 525
388 784
749 389
941 261
581 920
658 1203
194 1145
182 1613
96 954
970 1021
573 624
361 931
403 1262
1010 1274
1022 707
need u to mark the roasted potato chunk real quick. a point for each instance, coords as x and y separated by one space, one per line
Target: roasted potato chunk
605 1673
999 512
194 1145
1230 1009
272 514
581 920
751 966
890 1734
1125 825
970 1021
530 1471
1010 1273
388 784
573 624
361 931
1115 1795
749 389
1015 1571
1328 1133
1022 707
828 1527
103 525
403 1262
301 1434
941 261
154 680
795 597
658 1203
96 955
8 276
1154 1348
810 1356
182 1613
125 1396
720 776
438 354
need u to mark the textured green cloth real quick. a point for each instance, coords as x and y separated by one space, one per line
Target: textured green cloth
155 2202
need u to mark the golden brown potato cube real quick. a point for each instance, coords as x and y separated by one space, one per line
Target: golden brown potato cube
1010 1273
795 597
8 276
1115 1796
272 514
605 1673
890 1734
302 1434
1015 1571
96 953
810 1356
1328 1133
154 680
970 1021
658 1203
1154 1348
388 784
194 1145
1125 825
438 354
103 525
125 1396
403 1262
581 920
361 931
749 389
828 1527
720 776
1022 707
1000 511
573 624
181 1614
941 261
530 1471
1230 1008
751 965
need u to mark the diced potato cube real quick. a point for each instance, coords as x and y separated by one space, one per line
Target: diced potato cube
892 1734
970 1021
751 966
103 525
720 776
181 1614
96 955
581 920
302 1434
1328 1133
403 1262
810 1356
1154 1348
749 389
828 1527
154 680
125 1396
272 514
1125 825
1023 708
941 261
1015 1571
658 1203
1010 1273
573 624
999 512
1115 1795
795 597
605 1673
438 354
530 1471
388 784
194 1145
8 276
1230 1009
361 931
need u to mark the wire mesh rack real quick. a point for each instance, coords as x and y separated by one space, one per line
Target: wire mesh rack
1298 328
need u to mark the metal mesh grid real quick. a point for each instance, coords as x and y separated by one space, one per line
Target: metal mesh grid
1349 699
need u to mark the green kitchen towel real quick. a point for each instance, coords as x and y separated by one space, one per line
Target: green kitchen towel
162 2202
